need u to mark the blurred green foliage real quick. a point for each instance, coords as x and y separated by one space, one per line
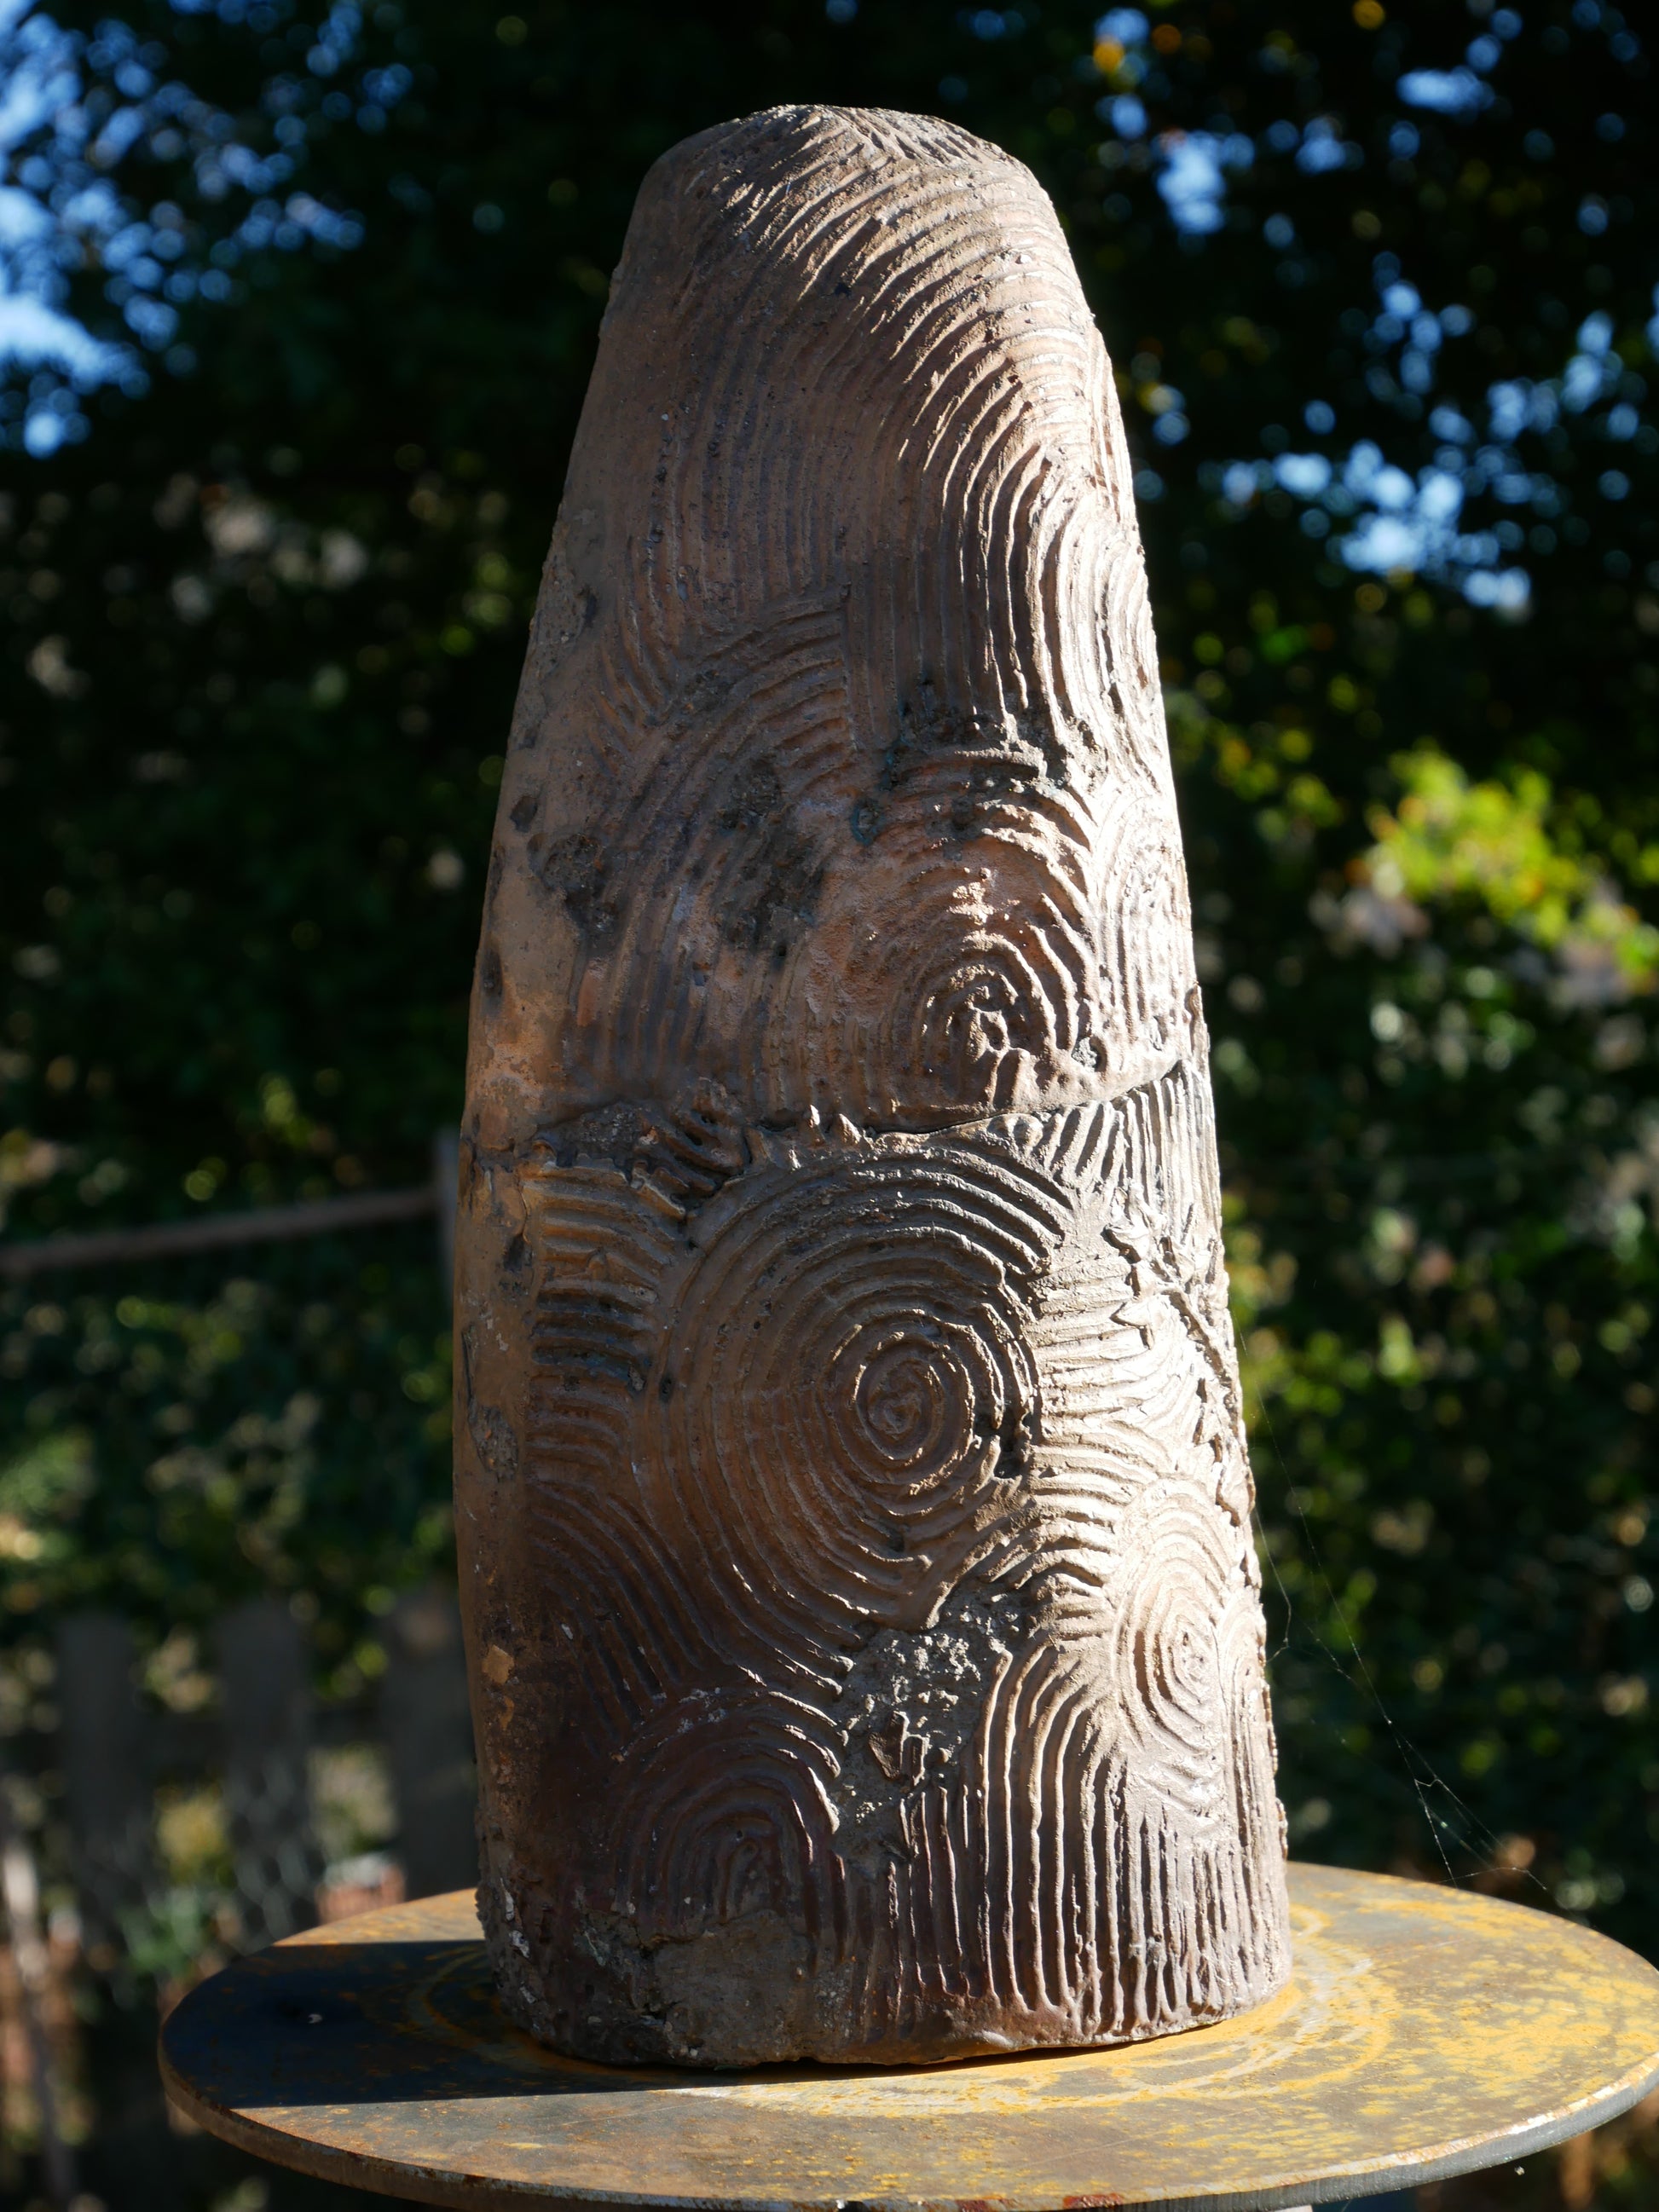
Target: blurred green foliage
263 628
182 1448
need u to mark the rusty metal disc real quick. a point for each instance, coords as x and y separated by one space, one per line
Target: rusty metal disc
1425 2032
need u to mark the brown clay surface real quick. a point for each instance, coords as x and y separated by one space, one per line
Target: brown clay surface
865 1629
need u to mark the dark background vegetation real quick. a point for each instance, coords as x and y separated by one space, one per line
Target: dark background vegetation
264 621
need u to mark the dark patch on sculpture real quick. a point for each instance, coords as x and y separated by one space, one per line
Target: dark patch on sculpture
577 867
777 883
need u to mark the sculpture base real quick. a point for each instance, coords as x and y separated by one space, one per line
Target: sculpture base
1425 2032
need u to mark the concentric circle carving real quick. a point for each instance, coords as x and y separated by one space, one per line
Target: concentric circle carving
1168 1689
847 1378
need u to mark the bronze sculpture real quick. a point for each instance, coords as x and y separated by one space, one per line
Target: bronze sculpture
853 1507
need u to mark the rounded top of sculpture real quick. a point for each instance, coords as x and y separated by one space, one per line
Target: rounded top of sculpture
795 177
811 130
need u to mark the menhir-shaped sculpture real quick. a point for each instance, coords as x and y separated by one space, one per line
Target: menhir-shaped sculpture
865 1635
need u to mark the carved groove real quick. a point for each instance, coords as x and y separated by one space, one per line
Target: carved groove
865 1624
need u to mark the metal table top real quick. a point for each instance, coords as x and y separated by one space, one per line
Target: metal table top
1425 2032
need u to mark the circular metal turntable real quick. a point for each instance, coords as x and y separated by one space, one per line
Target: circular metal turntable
1425 2032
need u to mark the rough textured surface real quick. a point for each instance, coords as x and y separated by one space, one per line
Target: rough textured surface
865 1638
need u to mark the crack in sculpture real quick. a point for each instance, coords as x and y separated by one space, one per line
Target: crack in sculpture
854 1512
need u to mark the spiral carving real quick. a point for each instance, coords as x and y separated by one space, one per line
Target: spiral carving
851 1482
